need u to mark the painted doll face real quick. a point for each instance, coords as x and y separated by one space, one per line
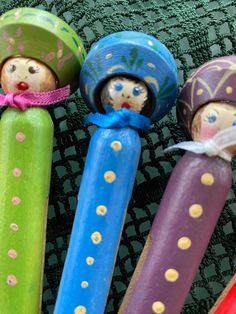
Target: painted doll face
20 75
213 118
121 92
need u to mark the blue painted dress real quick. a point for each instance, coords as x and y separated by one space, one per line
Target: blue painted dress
104 195
111 164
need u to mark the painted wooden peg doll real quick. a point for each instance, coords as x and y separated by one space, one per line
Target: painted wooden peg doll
195 194
40 63
131 78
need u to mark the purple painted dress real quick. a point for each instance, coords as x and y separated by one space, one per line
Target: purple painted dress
190 208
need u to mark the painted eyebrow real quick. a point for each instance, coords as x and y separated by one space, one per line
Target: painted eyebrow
118 79
28 60
215 110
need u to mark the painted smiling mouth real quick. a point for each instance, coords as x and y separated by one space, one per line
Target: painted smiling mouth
126 105
22 86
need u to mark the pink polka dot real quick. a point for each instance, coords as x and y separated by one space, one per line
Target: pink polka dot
16 172
20 136
15 200
12 254
11 280
14 227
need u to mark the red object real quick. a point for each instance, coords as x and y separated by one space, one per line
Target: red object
228 305
22 86
126 105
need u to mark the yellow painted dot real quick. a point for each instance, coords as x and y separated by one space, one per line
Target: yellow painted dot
199 91
195 211
151 65
80 310
101 210
116 145
96 237
229 90
90 260
59 53
158 307
84 284
108 56
207 179
11 41
184 243
109 176
171 275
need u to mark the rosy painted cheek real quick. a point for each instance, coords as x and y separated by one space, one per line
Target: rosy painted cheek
208 131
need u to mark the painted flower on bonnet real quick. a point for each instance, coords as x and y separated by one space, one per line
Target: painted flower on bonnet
58 55
13 41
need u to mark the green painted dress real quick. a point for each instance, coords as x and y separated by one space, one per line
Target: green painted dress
25 163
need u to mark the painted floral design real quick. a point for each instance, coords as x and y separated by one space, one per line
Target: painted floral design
94 72
13 41
166 89
59 55
132 62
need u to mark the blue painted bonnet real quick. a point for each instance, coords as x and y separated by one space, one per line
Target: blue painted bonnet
136 55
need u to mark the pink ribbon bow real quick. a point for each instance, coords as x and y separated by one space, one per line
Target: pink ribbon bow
30 99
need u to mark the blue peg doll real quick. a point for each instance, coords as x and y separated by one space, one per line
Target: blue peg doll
130 78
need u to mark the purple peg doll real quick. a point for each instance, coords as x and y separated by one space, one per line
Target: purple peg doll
195 194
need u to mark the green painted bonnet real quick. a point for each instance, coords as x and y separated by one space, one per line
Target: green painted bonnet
37 34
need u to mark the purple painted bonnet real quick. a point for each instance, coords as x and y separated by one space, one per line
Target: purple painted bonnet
213 81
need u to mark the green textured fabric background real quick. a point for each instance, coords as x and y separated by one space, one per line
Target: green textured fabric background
195 32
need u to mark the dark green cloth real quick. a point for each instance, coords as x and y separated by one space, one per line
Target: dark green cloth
195 32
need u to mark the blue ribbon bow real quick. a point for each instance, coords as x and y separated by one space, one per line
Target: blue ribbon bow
119 119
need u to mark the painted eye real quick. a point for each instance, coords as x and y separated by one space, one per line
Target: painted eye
12 68
211 118
118 86
234 123
136 91
32 70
